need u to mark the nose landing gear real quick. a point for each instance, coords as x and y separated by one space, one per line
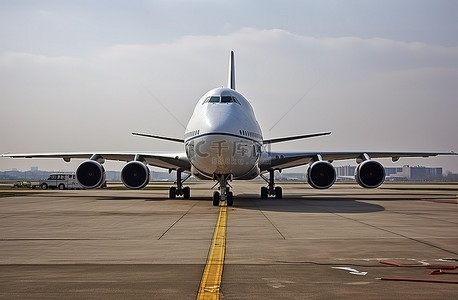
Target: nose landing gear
224 193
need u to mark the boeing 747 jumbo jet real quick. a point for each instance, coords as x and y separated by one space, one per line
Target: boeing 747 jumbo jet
223 142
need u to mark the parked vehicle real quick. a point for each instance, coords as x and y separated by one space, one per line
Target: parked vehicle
24 185
61 181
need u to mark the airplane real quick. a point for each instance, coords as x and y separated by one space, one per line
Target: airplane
223 142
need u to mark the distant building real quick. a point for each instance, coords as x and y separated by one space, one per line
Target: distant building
290 177
399 173
393 170
113 176
163 176
346 171
423 173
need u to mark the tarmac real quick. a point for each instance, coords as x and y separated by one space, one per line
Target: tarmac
312 244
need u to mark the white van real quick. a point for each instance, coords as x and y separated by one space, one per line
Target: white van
61 181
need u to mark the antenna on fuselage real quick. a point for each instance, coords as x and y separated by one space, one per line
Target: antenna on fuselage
231 78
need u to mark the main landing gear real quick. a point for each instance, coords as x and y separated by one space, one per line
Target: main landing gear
179 190
271 189
224 193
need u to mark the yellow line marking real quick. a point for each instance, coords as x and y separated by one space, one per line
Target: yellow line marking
210 285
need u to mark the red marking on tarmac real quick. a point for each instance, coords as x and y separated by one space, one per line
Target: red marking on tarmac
419 266
419 280
439 201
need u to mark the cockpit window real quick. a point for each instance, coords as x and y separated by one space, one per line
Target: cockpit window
222 99
235 100
226 99
214 99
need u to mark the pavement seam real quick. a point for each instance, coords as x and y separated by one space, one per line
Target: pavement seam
428 218
283 237
398 234
165 232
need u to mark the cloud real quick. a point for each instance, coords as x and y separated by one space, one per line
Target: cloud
362 89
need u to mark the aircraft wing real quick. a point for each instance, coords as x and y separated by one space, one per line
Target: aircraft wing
283 160
173 161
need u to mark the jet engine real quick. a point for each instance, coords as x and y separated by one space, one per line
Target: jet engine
370 174
135 175
90 174
321 175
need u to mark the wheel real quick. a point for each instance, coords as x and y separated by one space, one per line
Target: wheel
61 186
215 198
230 199
278 192
44 186
264 192
173 192
186 192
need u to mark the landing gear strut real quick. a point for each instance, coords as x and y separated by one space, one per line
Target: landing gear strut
224 193
179 190
271 189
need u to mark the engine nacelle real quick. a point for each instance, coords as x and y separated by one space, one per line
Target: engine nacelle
90 174
370 174
135 175
321 175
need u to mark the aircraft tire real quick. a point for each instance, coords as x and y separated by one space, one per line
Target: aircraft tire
264 193
230 199
216 198
173 192
278 192
186 192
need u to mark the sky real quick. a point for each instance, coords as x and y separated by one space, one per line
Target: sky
83 75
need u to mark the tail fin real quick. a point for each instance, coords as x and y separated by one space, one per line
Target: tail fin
231 78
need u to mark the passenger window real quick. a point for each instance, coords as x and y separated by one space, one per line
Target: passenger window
214 99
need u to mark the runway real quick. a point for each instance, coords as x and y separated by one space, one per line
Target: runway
118 244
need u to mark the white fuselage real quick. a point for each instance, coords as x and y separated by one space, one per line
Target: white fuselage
223 136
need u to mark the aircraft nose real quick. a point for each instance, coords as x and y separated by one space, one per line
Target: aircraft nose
221 122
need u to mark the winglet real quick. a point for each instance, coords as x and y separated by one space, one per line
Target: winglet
231 77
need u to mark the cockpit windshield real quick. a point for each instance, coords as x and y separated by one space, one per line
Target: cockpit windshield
222 99
226 99
214 99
